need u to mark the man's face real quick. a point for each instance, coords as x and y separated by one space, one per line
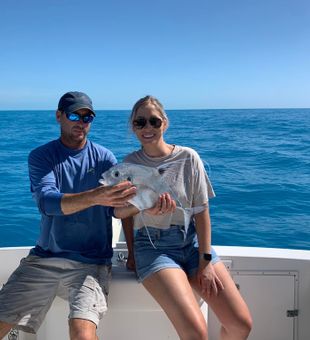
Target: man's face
73 133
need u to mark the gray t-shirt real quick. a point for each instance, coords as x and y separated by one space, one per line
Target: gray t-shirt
187 182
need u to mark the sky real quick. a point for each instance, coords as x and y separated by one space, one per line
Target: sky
191 54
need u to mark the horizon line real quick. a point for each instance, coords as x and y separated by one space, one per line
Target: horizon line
180 109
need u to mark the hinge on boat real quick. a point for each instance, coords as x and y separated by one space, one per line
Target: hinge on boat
13 334
121 257
292 313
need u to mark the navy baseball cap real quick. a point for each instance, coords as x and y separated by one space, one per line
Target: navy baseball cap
73 101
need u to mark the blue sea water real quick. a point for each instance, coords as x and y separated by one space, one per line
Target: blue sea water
258 162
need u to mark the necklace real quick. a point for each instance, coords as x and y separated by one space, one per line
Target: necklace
162 154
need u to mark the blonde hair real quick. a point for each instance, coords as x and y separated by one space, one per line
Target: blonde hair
148 100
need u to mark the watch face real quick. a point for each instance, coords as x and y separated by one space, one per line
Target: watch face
207 257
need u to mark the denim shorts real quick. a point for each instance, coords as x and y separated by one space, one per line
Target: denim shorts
156 249
27 296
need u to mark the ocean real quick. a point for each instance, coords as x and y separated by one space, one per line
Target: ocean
258 162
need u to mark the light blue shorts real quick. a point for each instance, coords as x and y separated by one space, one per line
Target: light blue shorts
156 249
27 296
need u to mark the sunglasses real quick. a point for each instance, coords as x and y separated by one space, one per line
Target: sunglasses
140 123
75 117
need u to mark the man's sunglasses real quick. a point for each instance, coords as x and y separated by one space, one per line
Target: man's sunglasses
140 123
75 117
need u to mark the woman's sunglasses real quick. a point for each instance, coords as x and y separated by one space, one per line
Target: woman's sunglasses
140 123
75 117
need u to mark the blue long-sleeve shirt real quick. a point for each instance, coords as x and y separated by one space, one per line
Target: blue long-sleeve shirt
55 170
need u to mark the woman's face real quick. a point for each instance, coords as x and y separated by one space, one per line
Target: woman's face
149 116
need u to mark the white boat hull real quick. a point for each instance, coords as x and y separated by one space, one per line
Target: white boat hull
274 282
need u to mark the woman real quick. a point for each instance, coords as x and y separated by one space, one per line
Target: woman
173 260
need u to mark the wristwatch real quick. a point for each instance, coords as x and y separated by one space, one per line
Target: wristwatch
206 256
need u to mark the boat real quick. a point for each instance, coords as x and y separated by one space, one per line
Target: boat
274 282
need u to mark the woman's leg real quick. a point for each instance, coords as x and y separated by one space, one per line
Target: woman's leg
229 306
171 289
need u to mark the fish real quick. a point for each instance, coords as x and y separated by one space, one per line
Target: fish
149 182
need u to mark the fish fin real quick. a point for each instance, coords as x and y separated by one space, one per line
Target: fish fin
170 170
187 218
169 174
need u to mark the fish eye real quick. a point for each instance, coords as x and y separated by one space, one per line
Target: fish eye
128 178
116 173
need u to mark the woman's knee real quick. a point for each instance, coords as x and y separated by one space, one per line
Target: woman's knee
196 333
246 325
241 327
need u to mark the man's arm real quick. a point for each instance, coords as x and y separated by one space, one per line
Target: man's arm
115 196
51 201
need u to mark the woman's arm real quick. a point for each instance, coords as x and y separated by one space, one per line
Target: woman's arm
126 215
129 237
206 276
114 196
203 229
165 204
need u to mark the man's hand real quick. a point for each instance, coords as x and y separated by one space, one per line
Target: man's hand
114 196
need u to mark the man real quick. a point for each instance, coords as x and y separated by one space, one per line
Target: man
72 257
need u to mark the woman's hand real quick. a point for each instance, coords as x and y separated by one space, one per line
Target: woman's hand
208 281
130 263
165 204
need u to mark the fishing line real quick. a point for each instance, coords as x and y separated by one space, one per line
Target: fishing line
147 230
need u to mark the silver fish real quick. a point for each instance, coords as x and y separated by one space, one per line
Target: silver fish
149 182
